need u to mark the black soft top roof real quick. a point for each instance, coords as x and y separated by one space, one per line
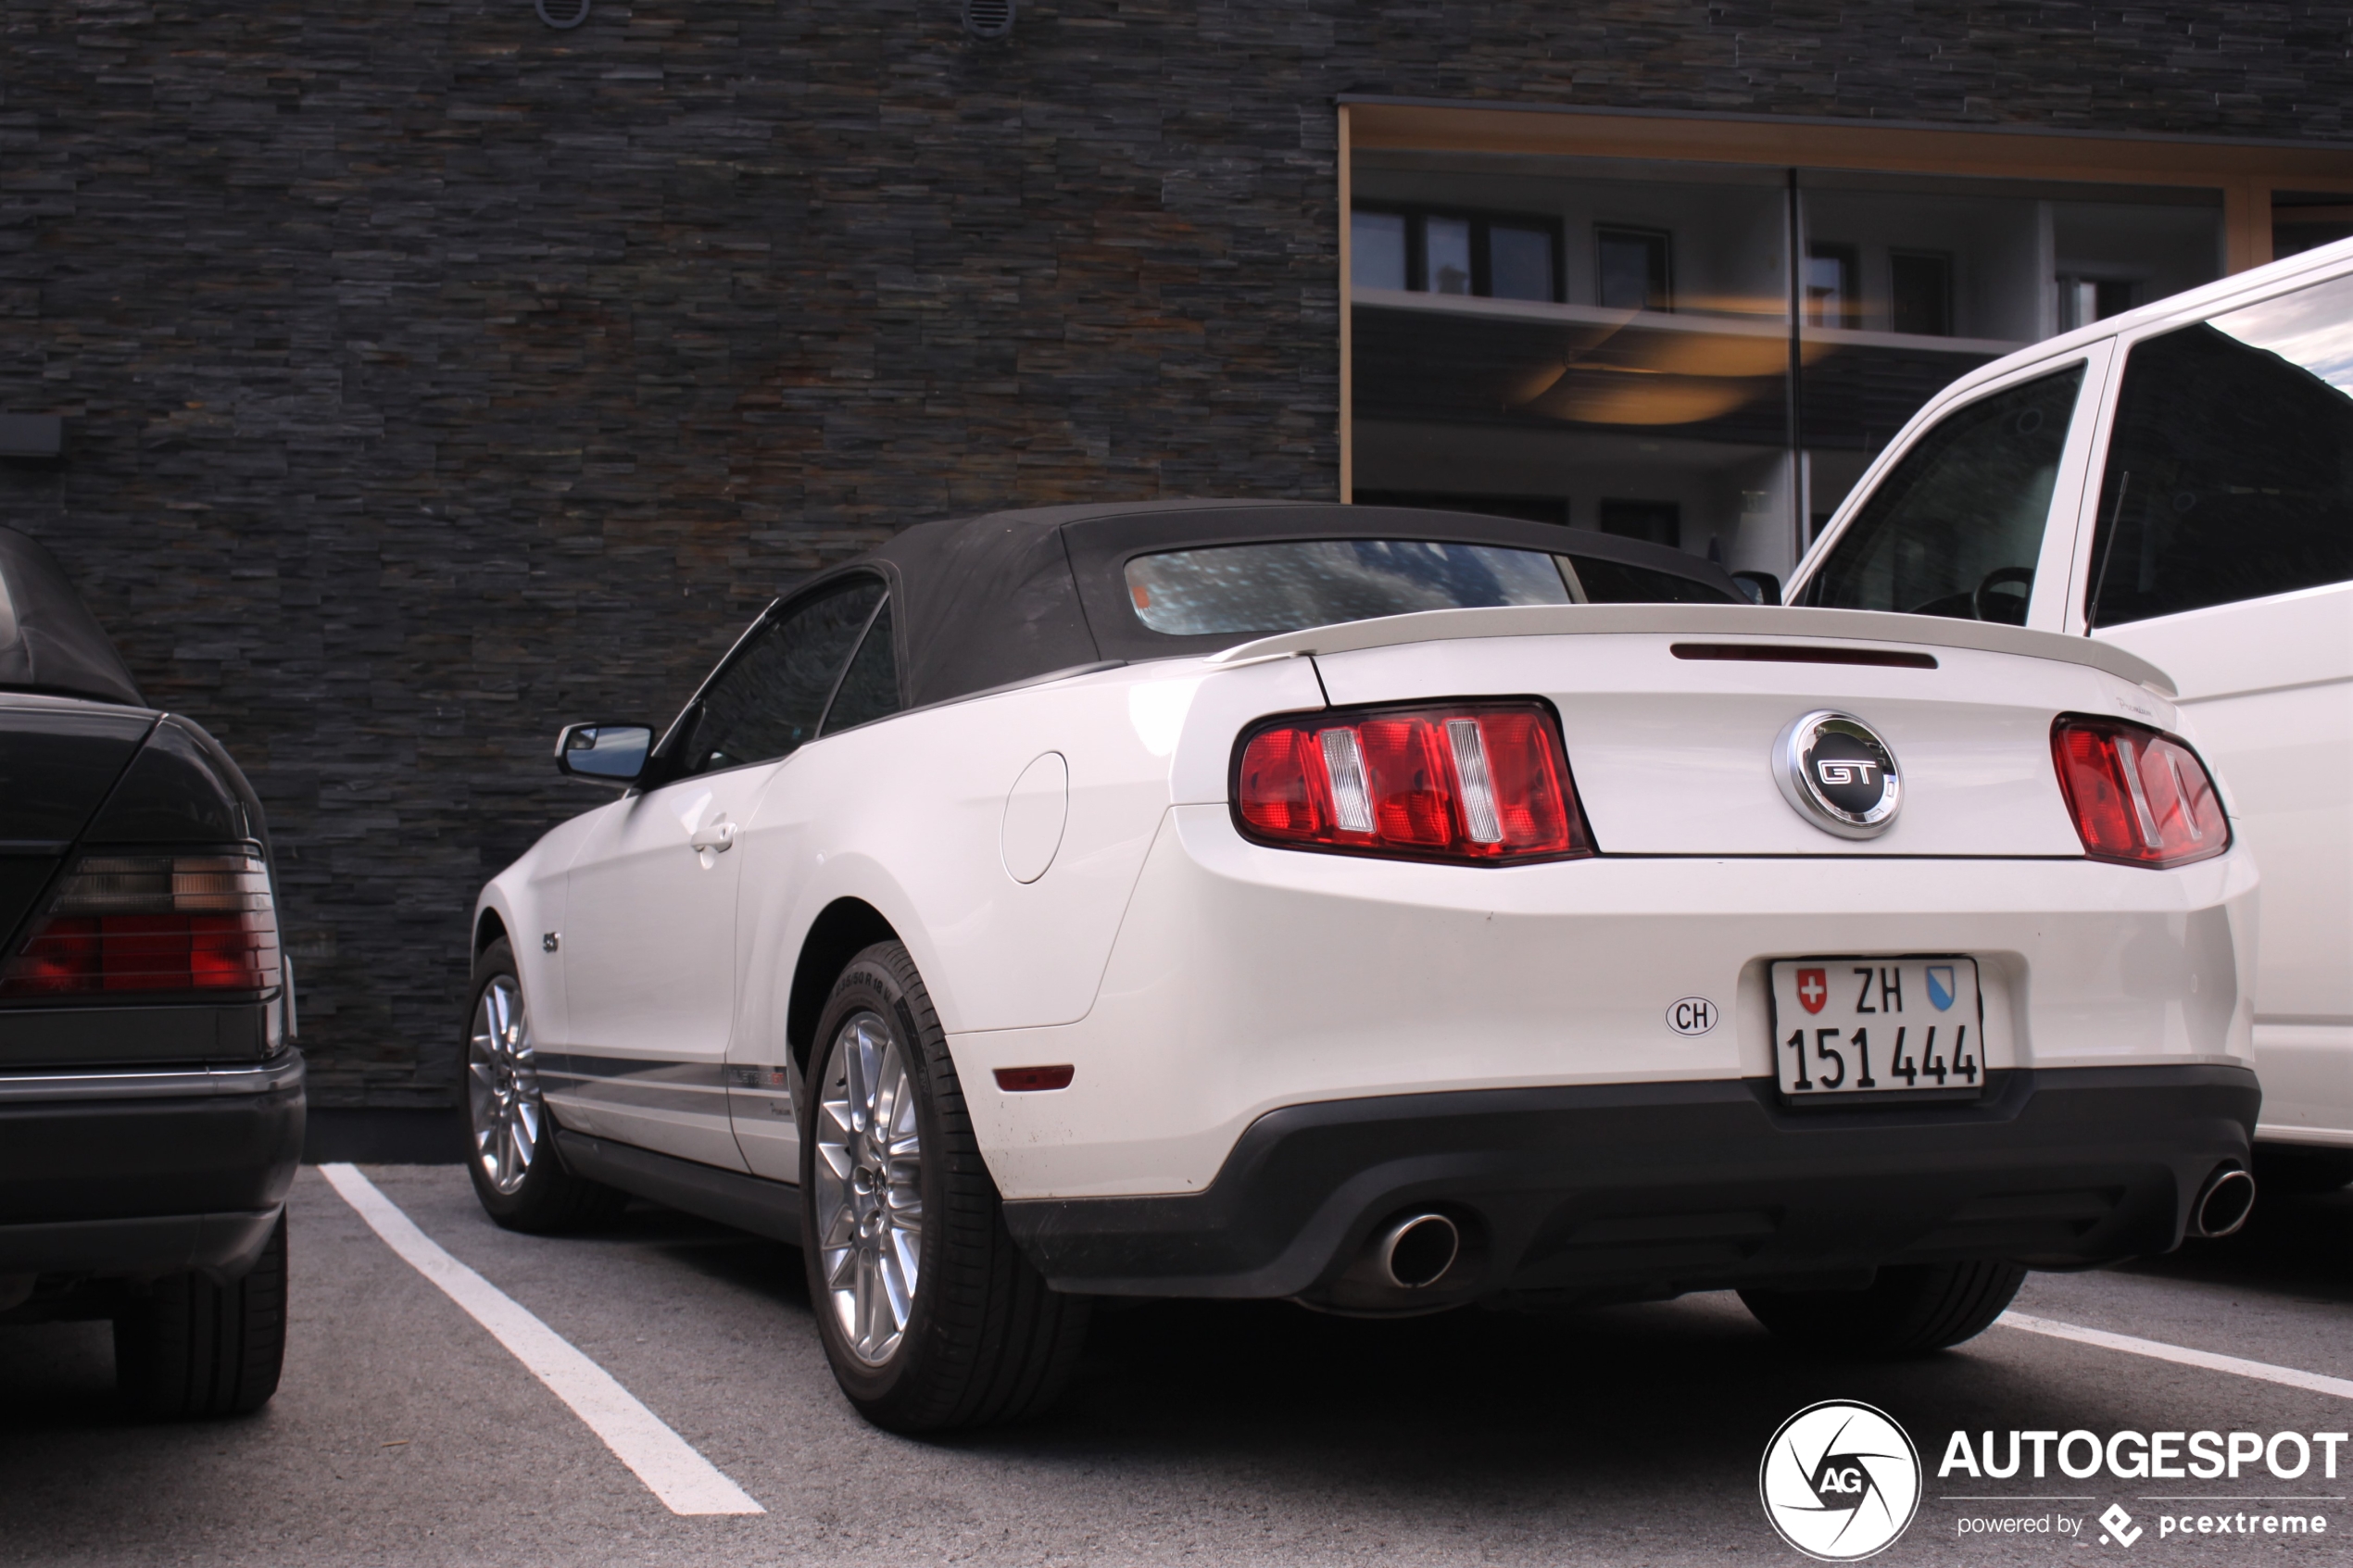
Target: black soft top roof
49 641
988 601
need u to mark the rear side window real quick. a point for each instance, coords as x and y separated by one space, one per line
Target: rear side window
1957 527
2230 473
769 698
1615 582
1288 586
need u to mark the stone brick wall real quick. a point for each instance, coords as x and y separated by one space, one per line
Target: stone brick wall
432 376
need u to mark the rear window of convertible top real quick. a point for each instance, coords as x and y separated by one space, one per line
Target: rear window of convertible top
1298 584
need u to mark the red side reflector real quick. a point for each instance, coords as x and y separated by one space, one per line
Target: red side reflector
1029 1080
2139 796
1472 783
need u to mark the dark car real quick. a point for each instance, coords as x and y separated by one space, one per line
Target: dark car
151 1101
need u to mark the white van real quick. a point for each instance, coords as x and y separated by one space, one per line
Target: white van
2177 481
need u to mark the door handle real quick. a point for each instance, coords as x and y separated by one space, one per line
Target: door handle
719 837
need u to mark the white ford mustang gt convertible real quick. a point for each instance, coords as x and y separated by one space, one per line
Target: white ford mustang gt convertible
1357 906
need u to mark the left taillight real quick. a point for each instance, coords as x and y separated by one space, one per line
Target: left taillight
2139 796
1473 784
122 923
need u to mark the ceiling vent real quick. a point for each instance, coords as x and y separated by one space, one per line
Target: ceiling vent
988 18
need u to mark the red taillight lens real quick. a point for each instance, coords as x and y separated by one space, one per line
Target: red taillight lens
153 922
2139 796
1482 784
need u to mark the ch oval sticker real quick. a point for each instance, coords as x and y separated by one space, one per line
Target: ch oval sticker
1693 1015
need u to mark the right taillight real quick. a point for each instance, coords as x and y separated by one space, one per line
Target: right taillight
1470 783
123 923
2139 796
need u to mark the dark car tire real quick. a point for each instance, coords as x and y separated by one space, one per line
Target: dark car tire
549 1199
1909 1311
188 1345
984 1340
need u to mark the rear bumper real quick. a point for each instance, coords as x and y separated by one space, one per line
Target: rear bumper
1636 1190
1245 979
139 1173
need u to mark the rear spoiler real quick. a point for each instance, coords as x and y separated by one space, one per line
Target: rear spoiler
1706 620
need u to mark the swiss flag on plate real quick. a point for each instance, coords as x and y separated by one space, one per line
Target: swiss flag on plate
1813 989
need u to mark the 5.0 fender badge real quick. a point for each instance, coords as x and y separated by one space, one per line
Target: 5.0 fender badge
1838 774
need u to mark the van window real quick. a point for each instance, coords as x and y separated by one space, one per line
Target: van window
2230 474
1957 527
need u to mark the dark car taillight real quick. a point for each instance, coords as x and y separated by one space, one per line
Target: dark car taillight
1478 784
120 923
2139 796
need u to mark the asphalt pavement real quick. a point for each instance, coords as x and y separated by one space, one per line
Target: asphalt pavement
1229 1434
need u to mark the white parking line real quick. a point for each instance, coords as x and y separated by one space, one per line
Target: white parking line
2311 1382
683 1479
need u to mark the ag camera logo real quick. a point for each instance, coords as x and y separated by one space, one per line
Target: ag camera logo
1840 1481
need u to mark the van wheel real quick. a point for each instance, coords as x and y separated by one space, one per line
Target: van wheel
1909 1311
187 1346
510 1147
930 1316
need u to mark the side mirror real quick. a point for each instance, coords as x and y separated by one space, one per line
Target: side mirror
613 753
1762 587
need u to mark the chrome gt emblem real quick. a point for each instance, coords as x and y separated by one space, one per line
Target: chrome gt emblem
1838 774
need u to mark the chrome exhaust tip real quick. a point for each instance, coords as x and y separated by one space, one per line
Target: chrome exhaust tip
2224 1207
1417 1251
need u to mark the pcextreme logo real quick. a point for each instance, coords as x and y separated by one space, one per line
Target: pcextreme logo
1840 1481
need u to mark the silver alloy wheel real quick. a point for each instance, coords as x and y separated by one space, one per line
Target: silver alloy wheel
869 1188
502 1086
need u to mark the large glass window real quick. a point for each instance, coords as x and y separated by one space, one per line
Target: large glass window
2230 472
1957 528
1647 397
1941 275
1724 348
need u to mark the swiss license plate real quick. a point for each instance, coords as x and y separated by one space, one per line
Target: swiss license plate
1876 1027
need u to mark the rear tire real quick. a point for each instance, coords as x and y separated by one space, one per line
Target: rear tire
1909 1311
975 1336
510 1147
187 1346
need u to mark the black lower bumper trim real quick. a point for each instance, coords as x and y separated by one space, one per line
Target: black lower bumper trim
147 1185
1648 1189
224 1245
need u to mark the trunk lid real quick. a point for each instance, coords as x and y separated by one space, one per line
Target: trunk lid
1672 713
